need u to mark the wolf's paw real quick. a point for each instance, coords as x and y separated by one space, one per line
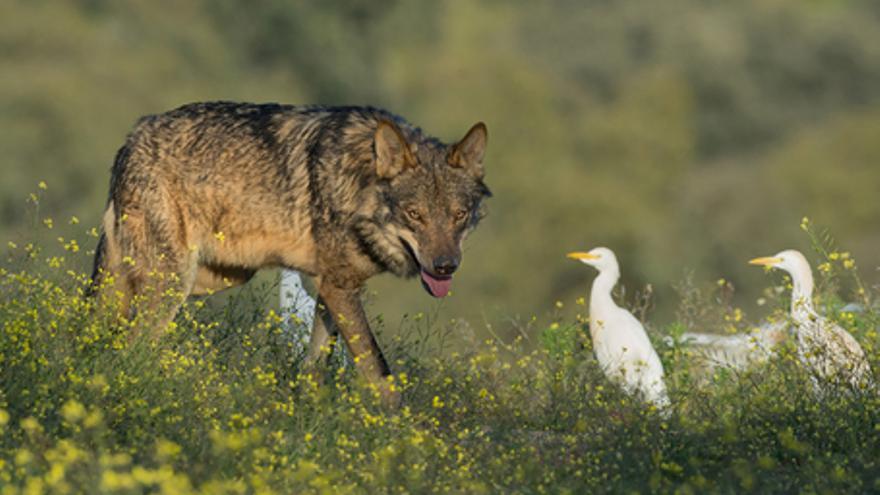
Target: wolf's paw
391 399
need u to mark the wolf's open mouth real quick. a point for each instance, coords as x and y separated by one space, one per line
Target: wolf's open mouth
435 285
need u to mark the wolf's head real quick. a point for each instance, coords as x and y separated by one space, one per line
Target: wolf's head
430 198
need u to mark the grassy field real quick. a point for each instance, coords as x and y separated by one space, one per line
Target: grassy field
218 405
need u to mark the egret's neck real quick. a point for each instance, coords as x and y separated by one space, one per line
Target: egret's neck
600 296
802 297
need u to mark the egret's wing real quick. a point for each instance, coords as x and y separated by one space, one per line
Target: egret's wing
731 351
830 351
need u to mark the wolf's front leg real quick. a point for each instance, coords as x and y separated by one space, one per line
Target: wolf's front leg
323 338
344 305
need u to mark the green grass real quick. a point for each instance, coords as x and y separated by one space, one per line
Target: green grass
218 405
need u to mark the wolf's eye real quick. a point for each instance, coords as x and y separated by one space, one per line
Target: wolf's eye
460 215
414 215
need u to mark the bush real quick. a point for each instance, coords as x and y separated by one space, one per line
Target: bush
218 406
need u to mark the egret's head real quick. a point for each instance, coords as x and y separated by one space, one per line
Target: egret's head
789 260
601 258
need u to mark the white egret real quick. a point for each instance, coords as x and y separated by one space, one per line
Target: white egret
740 350
297 307
621 345
298 312
824 347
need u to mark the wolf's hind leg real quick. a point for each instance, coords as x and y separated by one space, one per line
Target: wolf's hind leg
159 290
180 276
157 262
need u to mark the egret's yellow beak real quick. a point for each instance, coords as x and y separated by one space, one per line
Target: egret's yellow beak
580 256
766 261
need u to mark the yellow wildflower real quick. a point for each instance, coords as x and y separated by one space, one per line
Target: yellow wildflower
73 411
166 449
30 424
93 419
23 457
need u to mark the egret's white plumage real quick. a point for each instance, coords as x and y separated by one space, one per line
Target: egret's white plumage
297 307
740 350
827 349
619 340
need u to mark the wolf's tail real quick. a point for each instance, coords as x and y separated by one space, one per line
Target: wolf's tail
102 256
96 268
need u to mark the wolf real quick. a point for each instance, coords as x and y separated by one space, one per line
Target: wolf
203 196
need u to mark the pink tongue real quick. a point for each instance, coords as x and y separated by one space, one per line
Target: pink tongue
438 287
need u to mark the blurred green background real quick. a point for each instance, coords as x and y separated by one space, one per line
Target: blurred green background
685 135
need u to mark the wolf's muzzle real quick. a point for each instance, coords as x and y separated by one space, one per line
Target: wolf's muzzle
445 265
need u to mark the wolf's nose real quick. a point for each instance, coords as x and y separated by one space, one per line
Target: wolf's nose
445 265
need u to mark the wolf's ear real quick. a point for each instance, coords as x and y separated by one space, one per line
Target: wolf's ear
392 152
468 153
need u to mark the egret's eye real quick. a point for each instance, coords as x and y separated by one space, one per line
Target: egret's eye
460 215
414 215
